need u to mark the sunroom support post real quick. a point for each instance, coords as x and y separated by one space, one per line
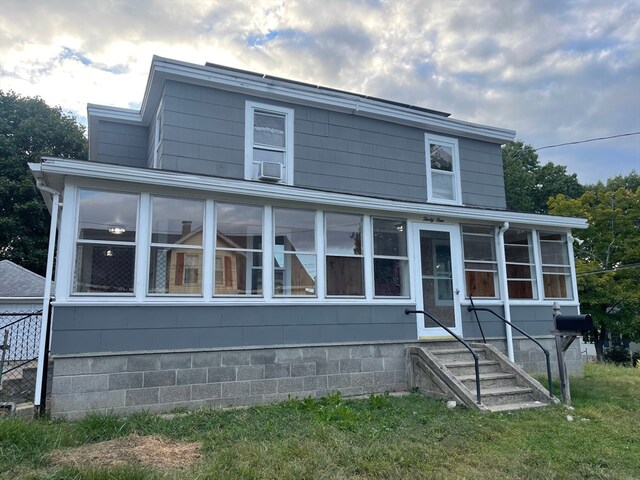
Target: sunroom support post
504 287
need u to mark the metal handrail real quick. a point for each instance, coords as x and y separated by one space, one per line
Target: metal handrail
468 347
475 310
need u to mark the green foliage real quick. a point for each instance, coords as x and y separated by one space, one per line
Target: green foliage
528 185
379 437
608 255
30 129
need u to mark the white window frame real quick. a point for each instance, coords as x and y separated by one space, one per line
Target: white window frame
407 258
288 113
533 265
496 274
326 254
571 283
157 136
452 143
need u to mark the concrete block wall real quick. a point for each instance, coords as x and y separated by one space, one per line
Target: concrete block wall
161 382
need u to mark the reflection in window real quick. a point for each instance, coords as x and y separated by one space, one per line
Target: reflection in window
556 268
390 260
176 246
105 245
344 260
294 259
480 265
521 269
238 263
442 170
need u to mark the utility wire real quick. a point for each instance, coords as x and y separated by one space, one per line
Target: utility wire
604 270
588 140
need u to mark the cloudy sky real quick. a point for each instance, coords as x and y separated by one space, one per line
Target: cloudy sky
555 71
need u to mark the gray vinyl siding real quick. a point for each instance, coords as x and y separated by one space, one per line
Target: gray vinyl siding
92 329
535 320
120 144
204 134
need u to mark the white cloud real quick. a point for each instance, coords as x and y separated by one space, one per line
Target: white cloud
554 71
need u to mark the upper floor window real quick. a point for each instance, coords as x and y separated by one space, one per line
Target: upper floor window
176 253
106 242
268 143
443 170
556 266
480 264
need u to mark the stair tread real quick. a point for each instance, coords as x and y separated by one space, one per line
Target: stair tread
486 376
439 351
505 390
516 406
465 363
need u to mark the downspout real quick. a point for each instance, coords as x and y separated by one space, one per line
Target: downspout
47 289
504 287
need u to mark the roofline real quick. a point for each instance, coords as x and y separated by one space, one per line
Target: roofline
83 169
226 78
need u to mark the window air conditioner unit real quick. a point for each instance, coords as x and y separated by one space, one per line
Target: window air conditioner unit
271 171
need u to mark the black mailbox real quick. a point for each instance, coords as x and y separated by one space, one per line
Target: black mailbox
574 323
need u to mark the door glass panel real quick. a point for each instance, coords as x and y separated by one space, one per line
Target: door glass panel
437 278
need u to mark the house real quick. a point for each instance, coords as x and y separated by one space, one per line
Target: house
242 238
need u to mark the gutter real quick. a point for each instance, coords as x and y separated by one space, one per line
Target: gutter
504 286
46 301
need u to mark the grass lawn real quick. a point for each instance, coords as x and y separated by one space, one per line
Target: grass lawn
381 437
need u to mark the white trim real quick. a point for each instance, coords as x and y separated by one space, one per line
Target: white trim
159 119
249 118
367 252
455 173
143 251
143 176
321 261
209 255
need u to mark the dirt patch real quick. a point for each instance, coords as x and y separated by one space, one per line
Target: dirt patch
149 451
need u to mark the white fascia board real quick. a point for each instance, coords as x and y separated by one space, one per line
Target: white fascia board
114 113
142 176
167 69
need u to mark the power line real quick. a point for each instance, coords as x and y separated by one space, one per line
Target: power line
588 140
604 270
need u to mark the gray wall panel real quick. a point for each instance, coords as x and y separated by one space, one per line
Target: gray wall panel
86 329
204 134
120 144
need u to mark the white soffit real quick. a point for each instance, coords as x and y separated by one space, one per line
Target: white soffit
54 169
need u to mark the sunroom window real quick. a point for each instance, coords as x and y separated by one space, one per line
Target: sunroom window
238 263
294 252
556 267
390 258
175 263
480 264
521 268
105 243
344 259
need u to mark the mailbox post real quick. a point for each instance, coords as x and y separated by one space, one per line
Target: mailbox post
567 328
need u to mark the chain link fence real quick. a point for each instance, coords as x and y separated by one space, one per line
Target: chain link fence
19 343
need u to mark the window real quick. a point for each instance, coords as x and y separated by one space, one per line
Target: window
268 143
443 170
238 264
390 259
480 265
344 259
521 268
294 252
556 268
105 242
176 246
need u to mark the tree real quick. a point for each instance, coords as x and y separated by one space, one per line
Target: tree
608 256
30 129
528 185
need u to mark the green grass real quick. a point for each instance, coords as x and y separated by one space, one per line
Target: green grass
377 438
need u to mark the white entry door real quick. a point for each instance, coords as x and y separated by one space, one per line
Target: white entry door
439 266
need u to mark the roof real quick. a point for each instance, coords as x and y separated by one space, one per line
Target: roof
289 91
18 282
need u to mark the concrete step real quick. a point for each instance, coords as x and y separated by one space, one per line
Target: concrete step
468 367
506 395
508 407
489 380
457 354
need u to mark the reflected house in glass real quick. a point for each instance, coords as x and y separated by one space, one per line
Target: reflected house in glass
243 237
